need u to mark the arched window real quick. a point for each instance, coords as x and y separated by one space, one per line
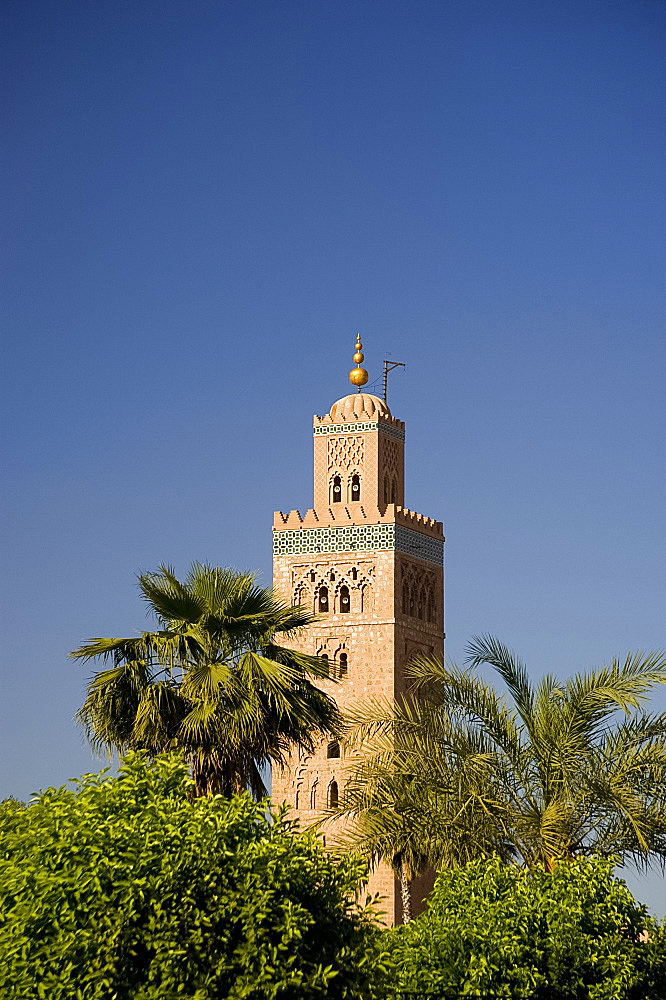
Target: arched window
313 576
331 575
333 795
313 796
300 595
343 665
323 599
355 488
336 492
324 656
333 750
344 600
354 573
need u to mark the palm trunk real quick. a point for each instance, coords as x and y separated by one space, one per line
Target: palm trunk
405 892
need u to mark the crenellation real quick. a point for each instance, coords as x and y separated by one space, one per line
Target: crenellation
359 514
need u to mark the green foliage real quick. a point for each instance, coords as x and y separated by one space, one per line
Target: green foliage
496 929
552 770
211 681
128 887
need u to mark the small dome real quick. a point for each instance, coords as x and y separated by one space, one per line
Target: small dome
359 406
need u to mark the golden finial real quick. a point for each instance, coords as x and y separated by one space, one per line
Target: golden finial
358 376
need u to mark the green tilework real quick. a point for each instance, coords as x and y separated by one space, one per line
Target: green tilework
352 538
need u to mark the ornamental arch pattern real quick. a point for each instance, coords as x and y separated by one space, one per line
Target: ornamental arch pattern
418 590
334 589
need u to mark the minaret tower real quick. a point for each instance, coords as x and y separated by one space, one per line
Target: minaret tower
371 570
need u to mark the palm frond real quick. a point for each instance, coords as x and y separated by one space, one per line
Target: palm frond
172 602
487 649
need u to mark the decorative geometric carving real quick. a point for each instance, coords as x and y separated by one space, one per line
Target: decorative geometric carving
390 465
418 593
345 453
348 590
391 456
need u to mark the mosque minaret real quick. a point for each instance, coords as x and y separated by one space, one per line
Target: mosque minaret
373 573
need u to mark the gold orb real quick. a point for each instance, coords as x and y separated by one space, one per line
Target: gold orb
358 376
358 357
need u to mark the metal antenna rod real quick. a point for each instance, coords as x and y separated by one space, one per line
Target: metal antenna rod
388 367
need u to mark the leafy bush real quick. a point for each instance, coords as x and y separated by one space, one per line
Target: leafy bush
126 888
495 929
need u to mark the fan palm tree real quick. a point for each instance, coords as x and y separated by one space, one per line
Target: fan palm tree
548 772
211 680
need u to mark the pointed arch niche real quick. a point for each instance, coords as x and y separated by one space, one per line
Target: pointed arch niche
333 795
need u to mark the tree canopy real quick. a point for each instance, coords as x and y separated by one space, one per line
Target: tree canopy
212 680
128 888
493 929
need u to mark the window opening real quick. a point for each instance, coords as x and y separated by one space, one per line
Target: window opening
333 750
313 576
332 575
344 600
356 488
354 573
324 656
337 489
343 665
313 797
323 599
333 795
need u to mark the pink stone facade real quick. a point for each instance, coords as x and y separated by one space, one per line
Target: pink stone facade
372 571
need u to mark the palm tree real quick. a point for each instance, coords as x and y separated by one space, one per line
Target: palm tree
416 797
383 829
211 680
549 772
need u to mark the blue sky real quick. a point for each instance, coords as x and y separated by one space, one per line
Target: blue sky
205 202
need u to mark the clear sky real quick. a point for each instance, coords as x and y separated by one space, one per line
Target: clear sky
204 203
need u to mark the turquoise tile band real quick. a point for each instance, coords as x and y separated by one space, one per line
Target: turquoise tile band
352 538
